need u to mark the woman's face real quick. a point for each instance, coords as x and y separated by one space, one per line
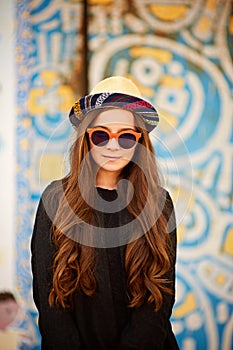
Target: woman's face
112 157
8 312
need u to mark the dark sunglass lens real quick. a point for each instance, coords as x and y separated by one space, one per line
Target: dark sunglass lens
127 140
100 138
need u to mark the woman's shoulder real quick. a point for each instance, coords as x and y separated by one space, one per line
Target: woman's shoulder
54 186
166 205
54 190
51 196
165 197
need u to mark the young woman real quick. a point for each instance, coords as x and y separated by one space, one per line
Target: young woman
104 240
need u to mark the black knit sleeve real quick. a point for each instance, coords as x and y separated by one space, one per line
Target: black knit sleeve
147 329
57 326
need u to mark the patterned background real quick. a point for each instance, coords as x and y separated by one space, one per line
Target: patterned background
180 55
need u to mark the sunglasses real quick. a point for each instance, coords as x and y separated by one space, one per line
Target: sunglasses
126 139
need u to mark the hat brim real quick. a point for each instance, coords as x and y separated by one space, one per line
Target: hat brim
114 100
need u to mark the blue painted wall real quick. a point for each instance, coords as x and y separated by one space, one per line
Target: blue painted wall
182 61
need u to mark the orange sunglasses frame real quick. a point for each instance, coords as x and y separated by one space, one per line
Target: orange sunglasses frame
112 135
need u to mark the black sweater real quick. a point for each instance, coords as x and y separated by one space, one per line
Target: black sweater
103 321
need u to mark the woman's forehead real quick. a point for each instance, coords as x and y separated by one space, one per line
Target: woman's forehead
115 117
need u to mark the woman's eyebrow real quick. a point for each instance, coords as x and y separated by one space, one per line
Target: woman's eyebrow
105 127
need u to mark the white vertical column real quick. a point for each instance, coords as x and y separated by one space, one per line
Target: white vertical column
7 145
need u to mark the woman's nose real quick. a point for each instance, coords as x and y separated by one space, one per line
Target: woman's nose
113 144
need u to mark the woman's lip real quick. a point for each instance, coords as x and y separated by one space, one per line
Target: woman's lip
111 157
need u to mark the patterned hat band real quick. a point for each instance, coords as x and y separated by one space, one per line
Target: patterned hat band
114 99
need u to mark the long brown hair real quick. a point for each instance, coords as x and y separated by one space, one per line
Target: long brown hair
146 258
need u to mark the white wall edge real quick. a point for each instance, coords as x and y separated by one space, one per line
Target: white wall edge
7 146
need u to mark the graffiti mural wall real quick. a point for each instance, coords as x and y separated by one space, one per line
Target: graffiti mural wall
180 56
47 60
183 63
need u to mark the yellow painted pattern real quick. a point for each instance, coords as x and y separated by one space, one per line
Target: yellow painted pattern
180 233
25 15
167 117
211 4
208 270
228 244
100 2
23 69
188 306
169 12
33 104
220 279
204 25
19 58
175 82
177 193
26 34
51 166
24 144
28 173
162 56
48 77
185 194
64 92
66 96
26 123
231 25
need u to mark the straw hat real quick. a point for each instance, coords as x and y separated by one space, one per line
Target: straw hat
115 92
